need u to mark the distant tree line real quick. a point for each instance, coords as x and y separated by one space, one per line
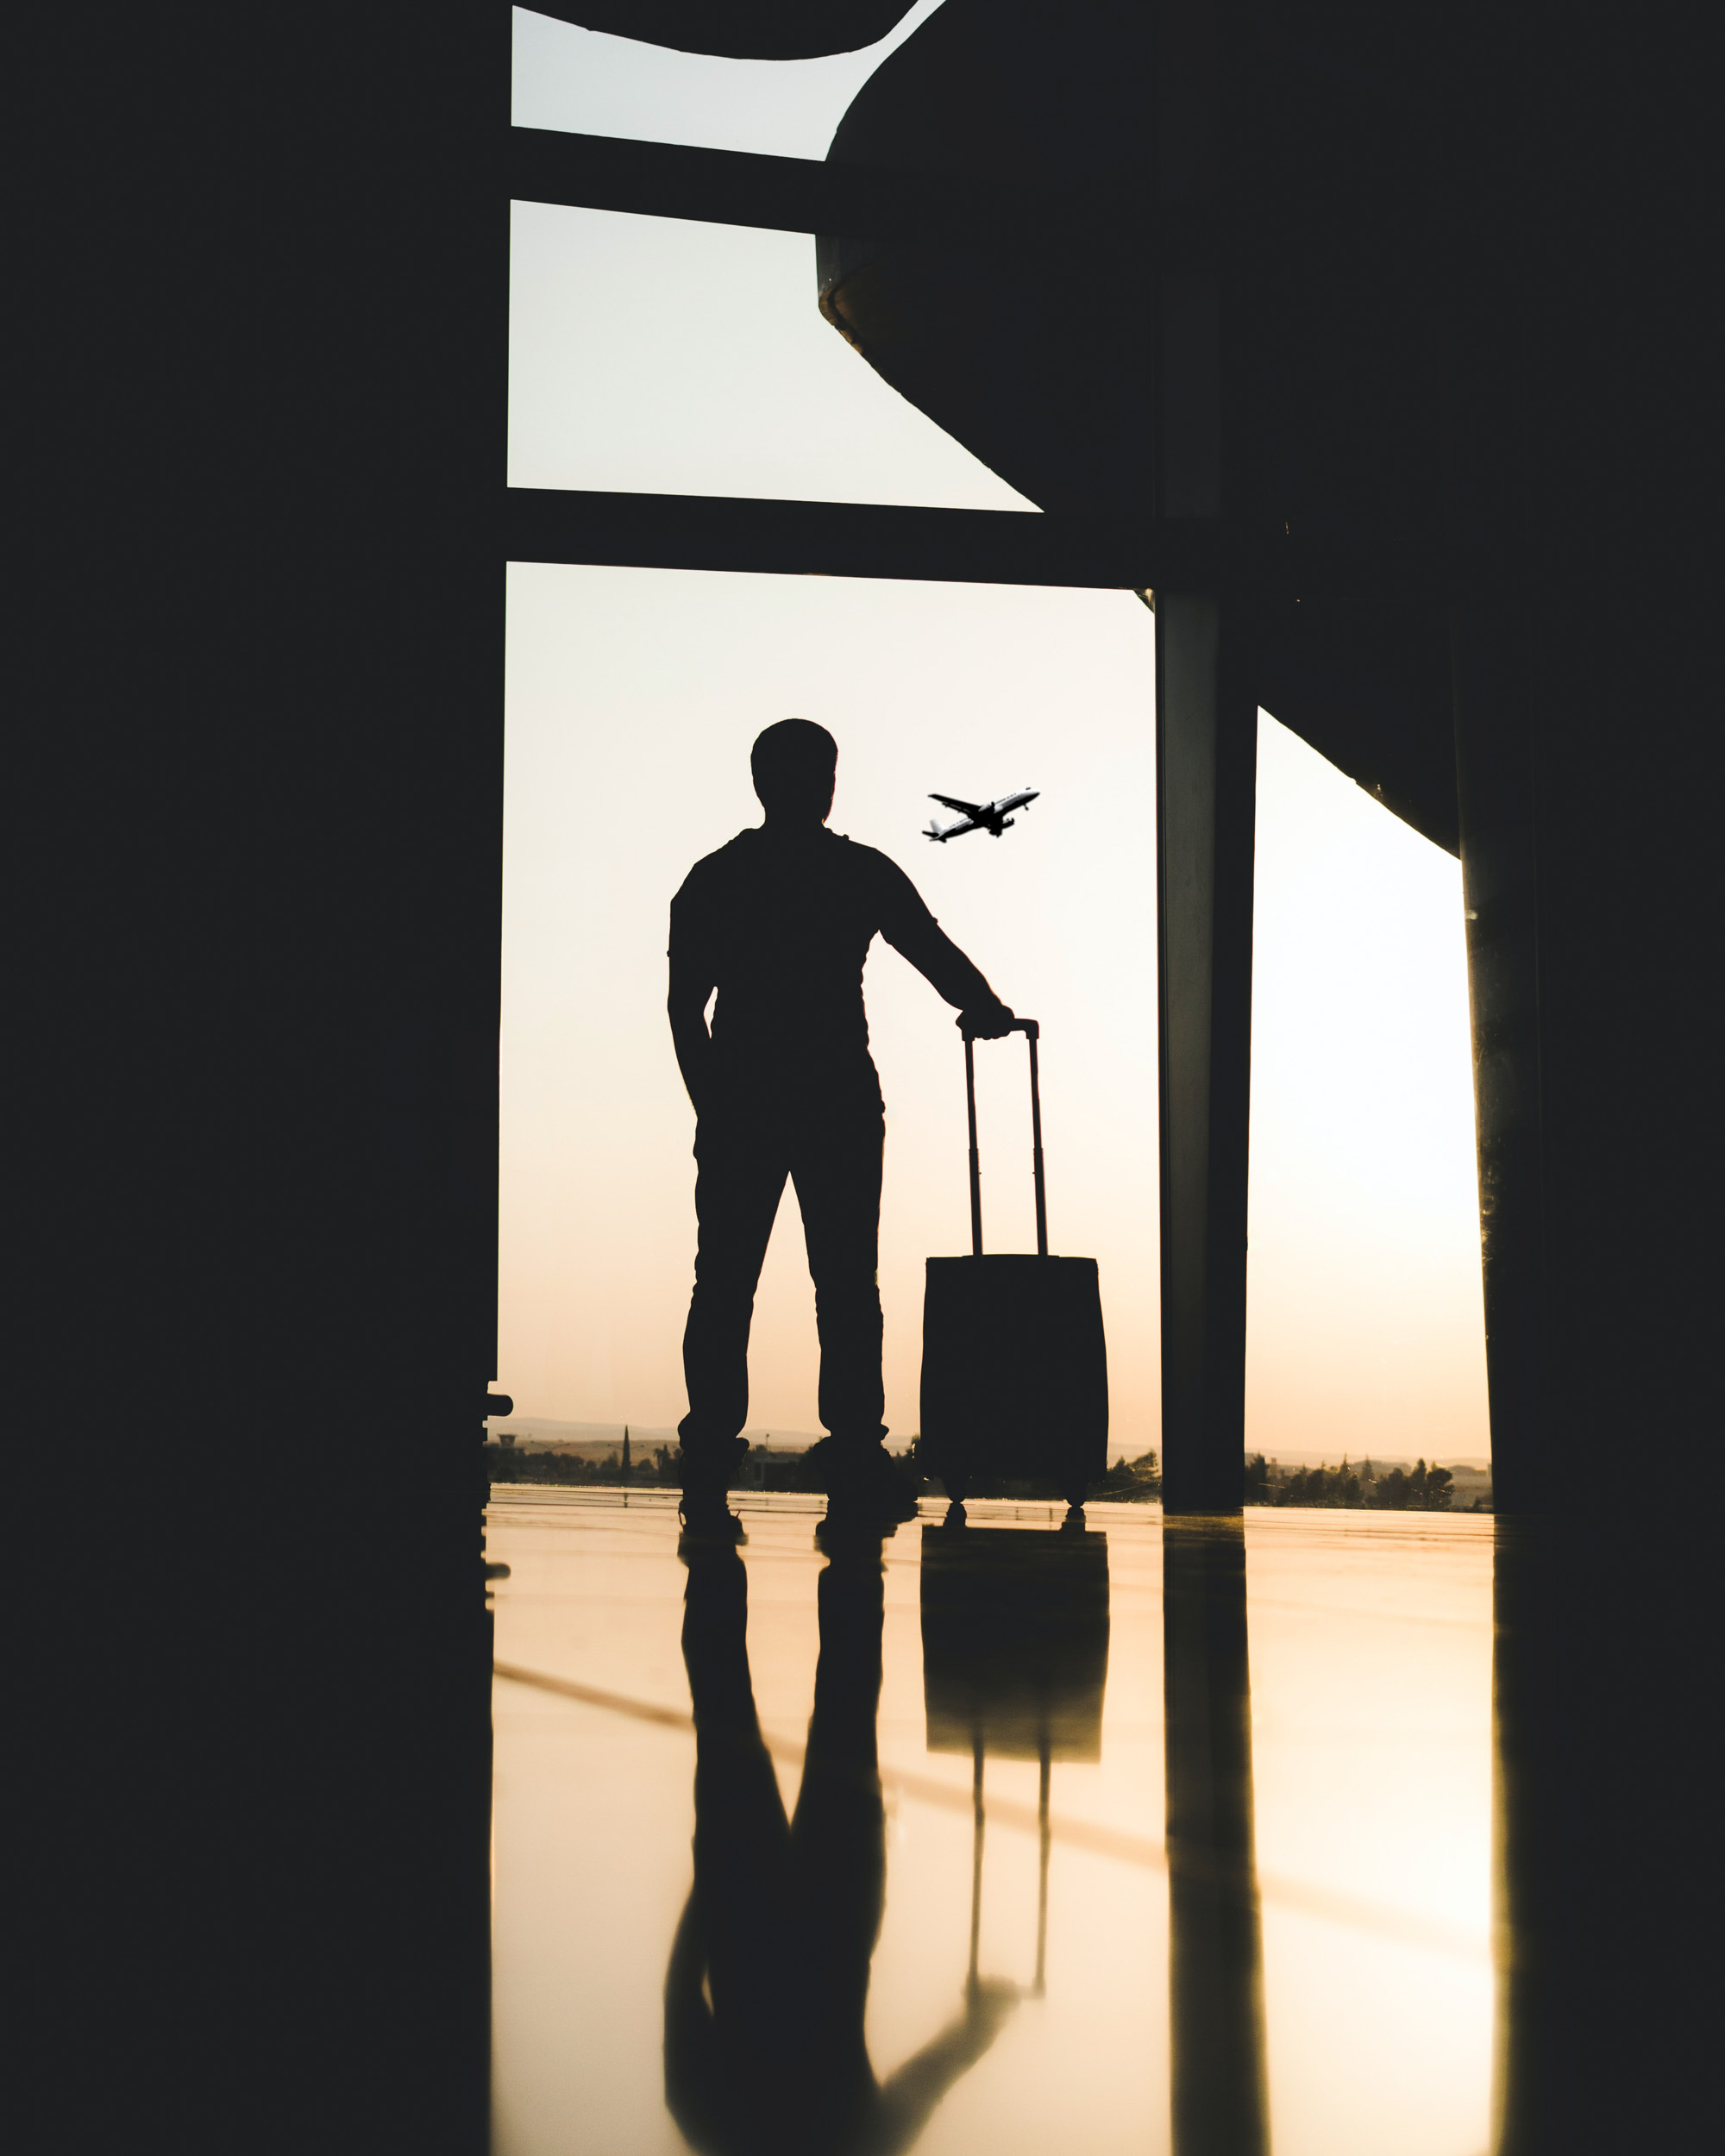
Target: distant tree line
762 1467
510 1463
1418 1488
1131 1481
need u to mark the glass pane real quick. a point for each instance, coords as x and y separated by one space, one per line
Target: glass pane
655 356
584 84
634 696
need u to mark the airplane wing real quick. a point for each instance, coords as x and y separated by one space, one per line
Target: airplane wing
964 808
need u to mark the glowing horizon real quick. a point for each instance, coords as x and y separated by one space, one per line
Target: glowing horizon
635 695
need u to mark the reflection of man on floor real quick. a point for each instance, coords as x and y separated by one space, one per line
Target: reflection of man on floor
768 1980
780 922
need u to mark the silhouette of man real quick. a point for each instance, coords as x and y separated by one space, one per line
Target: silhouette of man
780 922
768 1987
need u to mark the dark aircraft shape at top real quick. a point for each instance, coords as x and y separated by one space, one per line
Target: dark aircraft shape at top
993 816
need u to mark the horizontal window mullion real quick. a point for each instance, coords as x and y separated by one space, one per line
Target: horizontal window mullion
796 194
965 546
960 546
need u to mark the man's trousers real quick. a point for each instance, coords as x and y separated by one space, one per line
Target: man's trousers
833 1160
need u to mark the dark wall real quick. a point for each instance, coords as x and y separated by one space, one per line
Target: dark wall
1584 423
265 262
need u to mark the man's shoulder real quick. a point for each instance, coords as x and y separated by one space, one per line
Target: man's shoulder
835 863
887 882
865 861
720 866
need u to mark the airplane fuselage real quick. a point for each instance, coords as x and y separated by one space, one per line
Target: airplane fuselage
993 816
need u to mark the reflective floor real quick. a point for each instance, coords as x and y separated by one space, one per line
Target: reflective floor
683 1956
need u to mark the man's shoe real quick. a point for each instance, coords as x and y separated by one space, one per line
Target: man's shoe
868 1493
708 1522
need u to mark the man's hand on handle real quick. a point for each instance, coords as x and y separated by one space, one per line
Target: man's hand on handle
987 1022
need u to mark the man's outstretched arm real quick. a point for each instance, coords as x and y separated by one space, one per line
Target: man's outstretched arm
921 939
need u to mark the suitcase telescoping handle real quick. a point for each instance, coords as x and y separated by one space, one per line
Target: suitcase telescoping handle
1031 1030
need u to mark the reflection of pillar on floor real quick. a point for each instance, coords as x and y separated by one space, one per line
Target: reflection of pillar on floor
1215 1961
1527 2100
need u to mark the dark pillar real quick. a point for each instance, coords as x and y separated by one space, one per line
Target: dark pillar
1216 1957
1207 757
1500 894
1583 383
260 314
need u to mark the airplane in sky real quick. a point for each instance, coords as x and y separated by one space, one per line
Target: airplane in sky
993 816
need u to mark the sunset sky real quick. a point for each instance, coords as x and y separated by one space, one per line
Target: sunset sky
663 356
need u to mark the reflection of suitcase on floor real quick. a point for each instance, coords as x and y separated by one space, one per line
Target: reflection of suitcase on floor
1014 1369
1014 1641
1015 1663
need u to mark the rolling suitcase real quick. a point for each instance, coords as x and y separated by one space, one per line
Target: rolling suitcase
1014 1368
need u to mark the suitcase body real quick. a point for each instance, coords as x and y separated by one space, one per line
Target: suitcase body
1014 1365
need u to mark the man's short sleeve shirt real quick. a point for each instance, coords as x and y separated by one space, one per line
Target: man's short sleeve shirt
780 925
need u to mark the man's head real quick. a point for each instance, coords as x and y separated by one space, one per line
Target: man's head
793 765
